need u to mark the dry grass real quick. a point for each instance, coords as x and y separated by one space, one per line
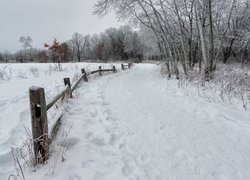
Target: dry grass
230 84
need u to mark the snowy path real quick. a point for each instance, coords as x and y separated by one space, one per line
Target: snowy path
176 136
135 125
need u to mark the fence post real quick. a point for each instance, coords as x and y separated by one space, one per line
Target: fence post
114 70
85 78
67 83
129 64
39 124
122 67
100 70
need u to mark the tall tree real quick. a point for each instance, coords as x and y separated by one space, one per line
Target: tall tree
42 57
57 53
6 56
65 52
78 45
1 57
26 41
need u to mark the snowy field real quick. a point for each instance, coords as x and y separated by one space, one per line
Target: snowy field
127 126
15 81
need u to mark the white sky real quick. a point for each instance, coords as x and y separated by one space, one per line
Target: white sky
45 19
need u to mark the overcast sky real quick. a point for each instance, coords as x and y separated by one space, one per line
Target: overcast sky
45 19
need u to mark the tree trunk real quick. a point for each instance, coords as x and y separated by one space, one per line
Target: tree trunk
205 70
182 38
211 38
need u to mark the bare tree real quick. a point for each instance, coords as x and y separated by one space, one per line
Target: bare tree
6 56
78 45
189 31
1 57
26 41
42 56
65 52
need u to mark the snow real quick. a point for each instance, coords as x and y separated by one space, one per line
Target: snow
15 81
135 125
181 135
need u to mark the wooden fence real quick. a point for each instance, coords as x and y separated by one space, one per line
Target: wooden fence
126 65
39 108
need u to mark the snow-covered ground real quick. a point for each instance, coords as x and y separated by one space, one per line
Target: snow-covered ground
135 125
15 81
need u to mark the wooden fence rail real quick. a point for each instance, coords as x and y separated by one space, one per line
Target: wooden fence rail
39 108
126 65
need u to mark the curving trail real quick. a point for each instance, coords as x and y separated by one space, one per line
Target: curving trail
176 134
136 125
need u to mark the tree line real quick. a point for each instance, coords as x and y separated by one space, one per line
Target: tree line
114 44
187 33
182 33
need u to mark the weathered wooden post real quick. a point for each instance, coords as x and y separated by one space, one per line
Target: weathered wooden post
114 70
39 124
129 64
85 77
122 67
100 70
67 83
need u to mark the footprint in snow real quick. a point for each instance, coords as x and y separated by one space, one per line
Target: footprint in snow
122 145
126 170
113 139
93 112
89 135
98 142
70 142
162 127
142 159
74 177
